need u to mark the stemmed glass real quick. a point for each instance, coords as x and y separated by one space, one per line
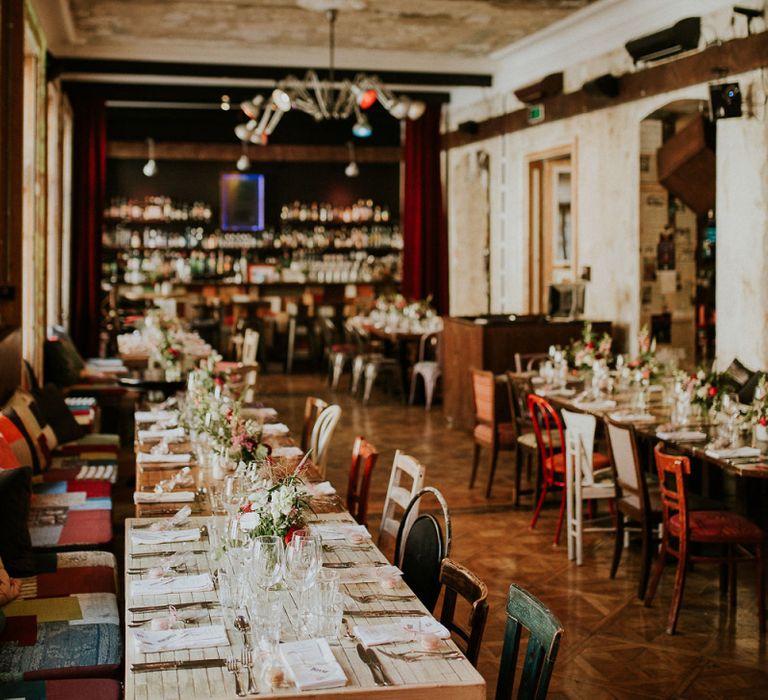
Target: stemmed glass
267 561
303 561
233 495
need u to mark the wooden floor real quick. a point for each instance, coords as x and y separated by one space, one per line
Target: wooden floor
613 647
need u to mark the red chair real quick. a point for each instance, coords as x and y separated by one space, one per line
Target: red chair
734 532
549 437
364 456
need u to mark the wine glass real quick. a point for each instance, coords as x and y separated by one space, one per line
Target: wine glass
267 561
232 495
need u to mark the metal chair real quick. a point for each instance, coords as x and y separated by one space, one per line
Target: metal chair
364 458
544 633
456 581
337 353
322 433
421 546
398 496
429 370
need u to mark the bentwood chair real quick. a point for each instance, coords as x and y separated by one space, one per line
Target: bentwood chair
489 432
429 370
741 539
421 546
459 582
526 447
399 495
544 630
529 362
313 407
322 434
364 457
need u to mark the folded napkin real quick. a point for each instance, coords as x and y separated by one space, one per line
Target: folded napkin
98 472
403 630
324 488
682 435
173 584
149 537
556 392
339 531
734 452
633 417
170 433
274 429
597 405
259 414
287 452
312 665
152 641
170 497
367 574
155 416
170 458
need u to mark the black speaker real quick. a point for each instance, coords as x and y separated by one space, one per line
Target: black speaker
725 100
469 127
605 86
681 36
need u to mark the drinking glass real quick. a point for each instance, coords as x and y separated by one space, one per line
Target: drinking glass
322 606
265 614
233 495
267 561
303 560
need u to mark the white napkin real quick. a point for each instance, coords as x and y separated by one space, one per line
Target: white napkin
155 416
324 488
339 531
734 452
367 574
402 630
312 665
173 584
598 405
287 452
683 435
149 537
170 433
170 497
556 392
100 472
259 414
274 429
149 458
152 641
633 417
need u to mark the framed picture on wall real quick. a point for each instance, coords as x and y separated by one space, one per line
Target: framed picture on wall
242 202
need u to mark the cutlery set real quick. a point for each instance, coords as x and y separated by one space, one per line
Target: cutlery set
369 658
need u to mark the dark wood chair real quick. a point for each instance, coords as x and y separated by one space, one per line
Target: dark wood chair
544 633
635 501
313 407
526 447
741 539
421 547
460 581
364 457
489 431
529 362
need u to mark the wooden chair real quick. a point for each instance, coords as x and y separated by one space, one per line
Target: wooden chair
634 499
529 362
421 546
322 434
364 457
707 527
456 581
581 479
526 447
489 432
313 407
337 353
544 630
429 370
403 467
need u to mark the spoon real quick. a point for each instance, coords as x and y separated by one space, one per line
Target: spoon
242 625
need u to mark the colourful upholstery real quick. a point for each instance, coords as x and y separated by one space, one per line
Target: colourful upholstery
73 572
506 431
8 458
75 689
23 409
70 519
718 526
557 462
18 440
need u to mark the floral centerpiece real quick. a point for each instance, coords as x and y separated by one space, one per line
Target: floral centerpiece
757 412
169 352
646 366
706 389
246 439
584 352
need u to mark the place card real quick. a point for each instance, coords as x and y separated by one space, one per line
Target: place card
155 416
197 583
312 665
167 434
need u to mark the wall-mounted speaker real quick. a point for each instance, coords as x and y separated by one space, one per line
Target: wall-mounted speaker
725 100
536 92
469 127
604 86
681 36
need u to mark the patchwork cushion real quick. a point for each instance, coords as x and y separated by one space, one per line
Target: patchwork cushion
77 469
8 458
71 573
58 414
94 445
15 542
12 429
72 689
41 435
62 362
70 520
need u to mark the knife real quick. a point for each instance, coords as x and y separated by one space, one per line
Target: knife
352 564
177 665
166 553
206 604
385 613
372 662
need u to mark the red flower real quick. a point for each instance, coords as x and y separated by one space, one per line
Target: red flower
763 421
289 535
590 345
712 391
219 381
247 508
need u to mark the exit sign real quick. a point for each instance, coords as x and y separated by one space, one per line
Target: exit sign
535 114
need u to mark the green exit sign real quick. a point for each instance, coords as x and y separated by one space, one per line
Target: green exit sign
535 114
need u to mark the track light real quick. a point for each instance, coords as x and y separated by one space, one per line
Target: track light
351 170
362 127
243 162
416 109
225 103
150 167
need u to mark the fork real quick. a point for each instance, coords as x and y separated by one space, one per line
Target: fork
370 598
233 666
247 661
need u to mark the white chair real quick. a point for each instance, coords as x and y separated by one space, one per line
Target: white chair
399 495
582 482
250 347
429 370
322 432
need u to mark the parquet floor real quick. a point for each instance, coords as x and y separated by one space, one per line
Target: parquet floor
613 647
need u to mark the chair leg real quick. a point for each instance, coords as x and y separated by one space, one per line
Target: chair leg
338 368
370 378
518 472
539 505
560 519
358 365
475 463
760 563
731 578
618 544
412 395
645 560
429 390
492 471
677 596
657 571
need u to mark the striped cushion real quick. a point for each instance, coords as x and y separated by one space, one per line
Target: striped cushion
41 434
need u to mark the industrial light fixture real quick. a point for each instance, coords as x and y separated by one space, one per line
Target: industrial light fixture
325 99
150 167
351 170
225 103
243 162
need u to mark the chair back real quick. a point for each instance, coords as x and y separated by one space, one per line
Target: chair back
329 332
322 433
313 407
364 457
672 470
580 444
528 362
484 396
430 347
518 388
458 581
421 546
250 347
398 494
544 633
549 435
631 484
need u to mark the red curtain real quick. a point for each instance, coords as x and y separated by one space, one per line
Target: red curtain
89 164
425 252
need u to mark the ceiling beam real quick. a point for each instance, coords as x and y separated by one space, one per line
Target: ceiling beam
729 58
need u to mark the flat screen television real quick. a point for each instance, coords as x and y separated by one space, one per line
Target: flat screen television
566 300
242 202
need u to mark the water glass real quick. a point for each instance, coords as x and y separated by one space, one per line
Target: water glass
303 561
230 591
267 561
266 615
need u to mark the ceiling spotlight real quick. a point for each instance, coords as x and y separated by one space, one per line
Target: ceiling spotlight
399 109
367 98
150 167
281 99
351 170
243 162
225 104
362 127
252 108
416 109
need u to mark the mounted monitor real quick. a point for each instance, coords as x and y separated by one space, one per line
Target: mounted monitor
242 202
566 300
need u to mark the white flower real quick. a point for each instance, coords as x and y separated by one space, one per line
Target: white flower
249 521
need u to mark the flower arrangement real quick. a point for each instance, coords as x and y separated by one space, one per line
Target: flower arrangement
169 352
588 349
646 366
757 412
246 438
706 389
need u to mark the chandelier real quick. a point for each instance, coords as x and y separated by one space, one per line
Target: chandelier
324 99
